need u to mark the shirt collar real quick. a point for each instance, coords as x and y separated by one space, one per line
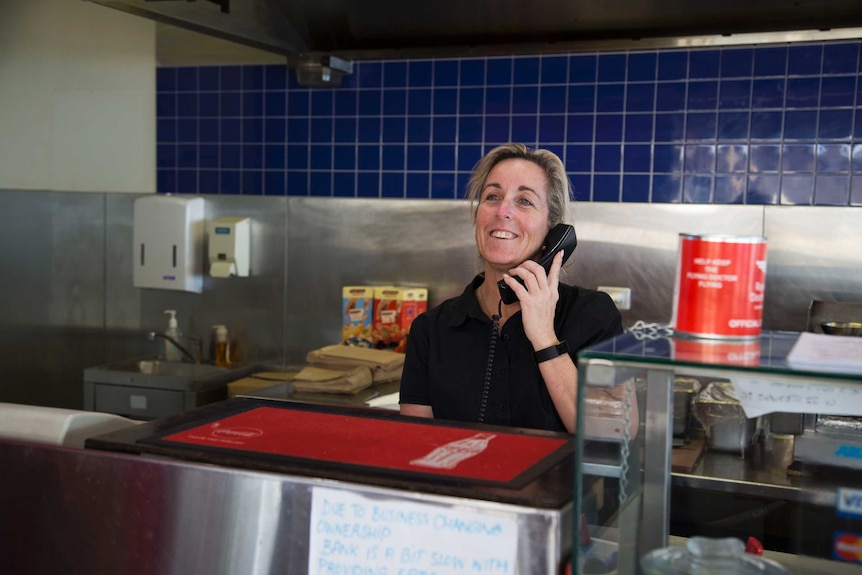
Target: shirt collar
467 304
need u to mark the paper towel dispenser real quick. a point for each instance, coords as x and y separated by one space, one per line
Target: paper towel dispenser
230 247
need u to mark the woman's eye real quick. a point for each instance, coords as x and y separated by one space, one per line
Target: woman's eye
525 201
490 197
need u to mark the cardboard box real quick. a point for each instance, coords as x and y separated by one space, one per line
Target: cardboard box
395 308
357 304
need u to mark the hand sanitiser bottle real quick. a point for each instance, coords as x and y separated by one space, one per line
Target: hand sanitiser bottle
172 352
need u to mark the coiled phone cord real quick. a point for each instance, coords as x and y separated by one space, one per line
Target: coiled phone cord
489 367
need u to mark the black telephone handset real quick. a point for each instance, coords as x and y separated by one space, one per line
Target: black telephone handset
561 237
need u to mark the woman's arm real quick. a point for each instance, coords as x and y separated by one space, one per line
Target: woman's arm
414 410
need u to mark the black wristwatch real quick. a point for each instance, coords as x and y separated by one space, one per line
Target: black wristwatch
551 352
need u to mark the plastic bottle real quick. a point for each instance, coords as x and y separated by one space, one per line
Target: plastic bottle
222 346
172 352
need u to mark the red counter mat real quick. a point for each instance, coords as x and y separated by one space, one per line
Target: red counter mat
383 445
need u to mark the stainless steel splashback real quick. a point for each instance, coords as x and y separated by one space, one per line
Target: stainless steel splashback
69 303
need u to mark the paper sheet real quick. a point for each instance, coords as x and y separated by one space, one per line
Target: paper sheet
759 397
827 352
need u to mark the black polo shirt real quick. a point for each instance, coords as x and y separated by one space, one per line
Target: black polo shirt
448 357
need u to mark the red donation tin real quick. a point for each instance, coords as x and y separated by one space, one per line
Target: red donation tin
720 282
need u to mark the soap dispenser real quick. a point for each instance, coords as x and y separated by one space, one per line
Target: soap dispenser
172 352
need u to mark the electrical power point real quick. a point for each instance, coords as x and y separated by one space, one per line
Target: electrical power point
622 296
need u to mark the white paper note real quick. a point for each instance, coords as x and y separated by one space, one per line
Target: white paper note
827 353
350 533
759 397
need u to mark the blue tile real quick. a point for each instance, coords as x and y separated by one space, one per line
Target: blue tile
636 188
166 156
700 158
856 191
344 184
394 129
667 158
768 93
344 157
642 67
471 101
467 156
322 103
640 97
419 129
252 77
346 102
472 72
298 129
187 79
274 156
419 102
763 189
582 68
230 156
208 78
804 59
499 71
298 104
581 187
525 99
345 130
765 158
702 95
737 62
608 158
840 58
368 157
418 157
606 188
579 158
275 78
445 101
669 127
673 65
525 70
470 129
835 125
209 105
703 63
252 183
701 126
275 104
729 189
832 191
369 75
187 181
420 73
393 157
670 97
369 129
697 189
187 156
369 103
837 91
552 128
802 93
230 182
252 157
497 129
445 129
320 184
766 125
731 158
208 130
231 78
612 68
637 159
443 158
446 72
274 183
733 125
582 99
252 104
638 128
857 126
392 185
166 105
554 70
734 94
166 181
166 79
368 185
208 156
230 104
297 157
297 183
610 97
461 182
525 129
800 125
417 186
552 100
394 102
208 181
187 105
395 74
320 157
797 190
252 130
187 130
443 186
609 127
833 158
770 61
166 131
856 158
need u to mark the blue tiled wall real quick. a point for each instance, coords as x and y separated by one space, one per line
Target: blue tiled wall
769 124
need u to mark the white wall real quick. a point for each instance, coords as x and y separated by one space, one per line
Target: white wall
77 98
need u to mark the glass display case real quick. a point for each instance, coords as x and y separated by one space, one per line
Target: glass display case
685 437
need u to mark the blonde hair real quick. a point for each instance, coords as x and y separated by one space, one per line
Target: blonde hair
559 187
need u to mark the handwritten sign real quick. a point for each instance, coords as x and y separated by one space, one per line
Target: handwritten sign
351 534
759 397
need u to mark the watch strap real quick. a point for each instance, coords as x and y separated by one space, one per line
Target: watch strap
551 352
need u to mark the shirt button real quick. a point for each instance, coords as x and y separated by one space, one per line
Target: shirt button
506 336
504 405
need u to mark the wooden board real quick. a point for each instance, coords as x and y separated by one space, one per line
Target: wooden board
685 458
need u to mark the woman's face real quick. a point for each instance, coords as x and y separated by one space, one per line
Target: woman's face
512 216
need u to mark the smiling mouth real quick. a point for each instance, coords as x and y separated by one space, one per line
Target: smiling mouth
502 235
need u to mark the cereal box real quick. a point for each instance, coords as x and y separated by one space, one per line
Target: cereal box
388 309
357 315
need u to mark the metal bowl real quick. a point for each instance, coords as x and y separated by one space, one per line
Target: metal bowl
842 327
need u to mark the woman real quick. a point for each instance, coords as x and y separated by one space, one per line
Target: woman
474 358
